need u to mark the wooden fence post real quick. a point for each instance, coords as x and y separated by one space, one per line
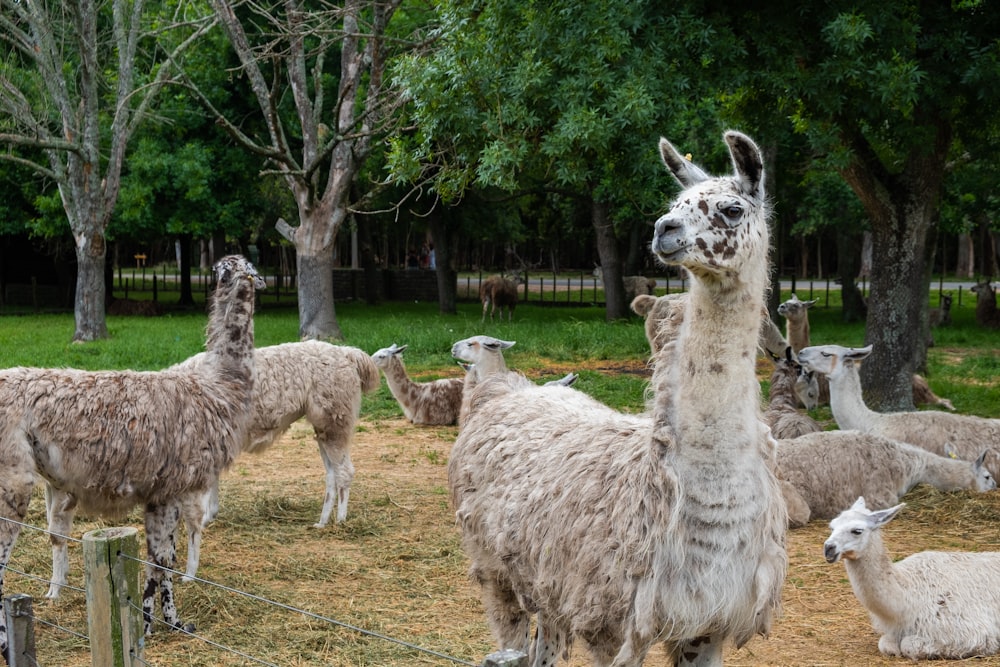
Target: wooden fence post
113 615
506 658
20 630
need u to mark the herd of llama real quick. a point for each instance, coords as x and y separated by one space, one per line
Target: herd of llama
582 525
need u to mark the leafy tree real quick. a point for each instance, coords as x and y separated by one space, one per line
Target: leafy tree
315 70
562 97
882 94
76 80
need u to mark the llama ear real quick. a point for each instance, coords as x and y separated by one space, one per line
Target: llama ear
981 461
882 517
857 353
748 162
685 171
859 504
809 304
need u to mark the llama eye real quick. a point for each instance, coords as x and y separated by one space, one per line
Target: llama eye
856 531
732 211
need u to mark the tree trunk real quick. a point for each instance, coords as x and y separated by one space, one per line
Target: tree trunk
849 247
369 267
317 314
965 264
437 222
615 307
90 290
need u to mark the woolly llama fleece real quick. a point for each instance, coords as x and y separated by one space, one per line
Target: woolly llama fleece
111 440
623 531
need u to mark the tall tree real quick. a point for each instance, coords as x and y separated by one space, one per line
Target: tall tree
883 93
78 79
318 119
561 96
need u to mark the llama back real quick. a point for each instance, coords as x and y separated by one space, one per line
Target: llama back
69 440
932 430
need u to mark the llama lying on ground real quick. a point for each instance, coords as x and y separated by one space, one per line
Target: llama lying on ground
622 530
634 285
111 440
497 293
930 605
437 402
782 413
987 314
931 429
826 472
484 355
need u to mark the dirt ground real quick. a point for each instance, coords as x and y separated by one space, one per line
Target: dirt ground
395 568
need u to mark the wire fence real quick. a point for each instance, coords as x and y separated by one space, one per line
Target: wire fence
25 659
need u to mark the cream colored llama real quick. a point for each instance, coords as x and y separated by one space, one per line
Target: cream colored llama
796 314
623 531
481 356
111 440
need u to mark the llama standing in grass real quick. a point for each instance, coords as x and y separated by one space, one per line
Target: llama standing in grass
987 314
930 605
111 440
436 403
621 530
497 293
312 379
634 285
796 314
929 429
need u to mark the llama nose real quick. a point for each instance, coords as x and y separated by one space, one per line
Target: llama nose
664 225
830 552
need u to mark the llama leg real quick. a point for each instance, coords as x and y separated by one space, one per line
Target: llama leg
193 508
15 492
339 474
701 652
161 545
210 504
508 621
547 646
59 509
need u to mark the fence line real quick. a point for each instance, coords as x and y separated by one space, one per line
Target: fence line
500 659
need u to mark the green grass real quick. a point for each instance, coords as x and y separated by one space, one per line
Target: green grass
963 364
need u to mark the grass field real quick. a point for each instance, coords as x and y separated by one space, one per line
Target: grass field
394 567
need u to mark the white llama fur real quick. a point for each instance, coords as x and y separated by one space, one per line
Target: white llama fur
929 605
437 402
931 429
828 470
634 285
111 440
782 413
484 354
621 530
987 314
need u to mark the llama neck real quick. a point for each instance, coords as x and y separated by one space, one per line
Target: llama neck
229 340
713 388
945 474
846 402
875 582
397 379
782 392
798 334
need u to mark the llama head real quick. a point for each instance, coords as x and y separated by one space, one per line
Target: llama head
831 360
716 226
983 289
231 268
795 310
853 529
383 357
476 349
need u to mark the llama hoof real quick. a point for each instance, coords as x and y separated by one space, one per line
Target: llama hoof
319 525
186 628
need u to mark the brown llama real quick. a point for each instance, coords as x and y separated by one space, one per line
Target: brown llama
497 293
623 531
111 440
